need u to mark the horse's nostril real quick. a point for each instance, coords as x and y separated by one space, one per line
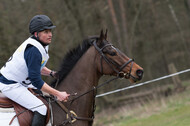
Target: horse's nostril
139 73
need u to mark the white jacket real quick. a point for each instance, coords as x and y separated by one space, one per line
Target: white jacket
16 69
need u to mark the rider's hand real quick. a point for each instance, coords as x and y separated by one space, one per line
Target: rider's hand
63 96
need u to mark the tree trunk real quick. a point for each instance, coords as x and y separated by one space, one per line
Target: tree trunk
176 80
115 23
126 42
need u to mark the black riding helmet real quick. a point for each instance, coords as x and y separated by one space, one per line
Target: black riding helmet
39 23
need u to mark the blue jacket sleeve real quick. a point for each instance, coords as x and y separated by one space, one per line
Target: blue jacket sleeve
33 60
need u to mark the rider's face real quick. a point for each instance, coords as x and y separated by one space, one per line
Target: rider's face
45 36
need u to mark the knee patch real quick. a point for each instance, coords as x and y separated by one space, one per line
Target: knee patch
41 109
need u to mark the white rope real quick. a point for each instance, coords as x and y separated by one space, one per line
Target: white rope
143 83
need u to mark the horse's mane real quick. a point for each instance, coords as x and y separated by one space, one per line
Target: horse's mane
71 58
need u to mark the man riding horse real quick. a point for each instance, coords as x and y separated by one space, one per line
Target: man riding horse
24 68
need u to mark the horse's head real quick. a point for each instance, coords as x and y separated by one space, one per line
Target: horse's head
113 62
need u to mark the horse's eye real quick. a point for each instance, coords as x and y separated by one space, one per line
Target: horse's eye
104 51
112 53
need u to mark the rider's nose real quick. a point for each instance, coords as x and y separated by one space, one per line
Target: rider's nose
139 73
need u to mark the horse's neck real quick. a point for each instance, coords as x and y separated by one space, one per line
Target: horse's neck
81 79
84 73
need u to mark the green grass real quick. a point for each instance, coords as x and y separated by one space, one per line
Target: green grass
170 111
177 116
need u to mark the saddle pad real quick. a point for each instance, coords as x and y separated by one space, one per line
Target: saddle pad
7 110
6 114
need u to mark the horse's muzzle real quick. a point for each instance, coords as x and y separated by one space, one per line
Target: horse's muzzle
139 73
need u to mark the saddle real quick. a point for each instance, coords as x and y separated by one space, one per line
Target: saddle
24 115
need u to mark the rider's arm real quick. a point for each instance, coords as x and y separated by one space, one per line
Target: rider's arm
61 96
45 71
33 60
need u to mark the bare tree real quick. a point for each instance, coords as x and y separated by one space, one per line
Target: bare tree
124 27
115 23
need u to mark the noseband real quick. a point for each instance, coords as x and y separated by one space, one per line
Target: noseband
110 62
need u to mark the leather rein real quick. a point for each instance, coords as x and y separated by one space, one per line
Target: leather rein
71 115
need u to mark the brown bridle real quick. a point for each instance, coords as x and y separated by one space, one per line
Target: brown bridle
110 62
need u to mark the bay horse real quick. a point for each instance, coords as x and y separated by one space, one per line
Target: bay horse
79 74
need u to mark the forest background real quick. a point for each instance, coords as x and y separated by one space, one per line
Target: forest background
156 33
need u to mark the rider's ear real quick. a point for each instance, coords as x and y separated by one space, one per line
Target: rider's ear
35 34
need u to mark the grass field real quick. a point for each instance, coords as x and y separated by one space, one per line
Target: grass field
171 111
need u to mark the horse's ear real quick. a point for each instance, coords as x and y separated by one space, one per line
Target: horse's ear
102 35
106 33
